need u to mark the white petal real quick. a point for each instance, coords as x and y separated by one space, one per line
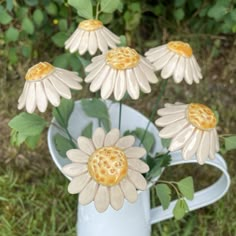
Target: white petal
135 152
138 165
120 85
171 130
68 81
116 197
98 81
99 58
216 140
172 110
93 74
74 169
85 145
23 96
77 155
31 98
137 179
169 119
188 73
84 43
114 37
195 63
129 190
212 150
194 71
181 138
132 84
158 54
71 38
203 149
92 47
149 74
109 40
168 69
109 84
102 45
125 142
78 183
88 193
192 145
61 88
76 42
142 81
94 65
179 70
51 93
102 198
161 62
98 138
41 99
66 73
155 50
144 61
196 66
111 137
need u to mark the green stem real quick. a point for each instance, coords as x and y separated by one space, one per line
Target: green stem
172 184
65 128
120 113
161 93
97 10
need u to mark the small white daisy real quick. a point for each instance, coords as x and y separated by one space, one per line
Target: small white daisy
192 129
120 70
90 36
175 59
44 83
106 169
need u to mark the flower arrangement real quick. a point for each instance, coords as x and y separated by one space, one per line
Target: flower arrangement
108 166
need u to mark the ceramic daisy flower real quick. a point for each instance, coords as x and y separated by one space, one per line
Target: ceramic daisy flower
120 70
90 36
106 169
192 128
175 59
43 83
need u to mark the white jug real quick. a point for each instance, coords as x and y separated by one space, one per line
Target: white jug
133 219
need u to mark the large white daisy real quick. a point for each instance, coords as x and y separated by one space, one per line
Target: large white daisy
106 169
120 70
192 128
90 36
175 59
44 83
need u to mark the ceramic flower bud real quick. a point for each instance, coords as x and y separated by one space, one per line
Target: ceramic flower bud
191 128
90 36
120 70
175 59
106 169
43 83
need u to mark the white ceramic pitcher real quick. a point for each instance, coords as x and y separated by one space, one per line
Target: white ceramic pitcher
133 219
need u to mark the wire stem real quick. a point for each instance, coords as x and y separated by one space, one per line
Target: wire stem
120 113
151 117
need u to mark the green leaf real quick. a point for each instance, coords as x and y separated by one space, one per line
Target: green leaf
26 50
164 194
165 142
62 60
12 55
32 141
5 18
16 138
12 34
28 124
84 8
230 143
149 139
31 3
217 12
88 130
106 18
180 209
38 17
27 25
97 109
186 187
63 26
179 3
9 5
179 14
51 9
63 112
123 41
62 144
109 6
59 39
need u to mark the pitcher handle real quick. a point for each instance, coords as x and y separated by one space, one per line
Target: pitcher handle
203 197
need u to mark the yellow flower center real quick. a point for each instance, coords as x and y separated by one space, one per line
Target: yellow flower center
201 116
108 166
122 58
39 71
180 48
90 25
